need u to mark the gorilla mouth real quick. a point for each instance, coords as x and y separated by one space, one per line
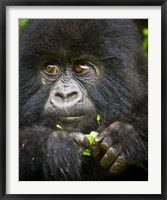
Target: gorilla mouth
71 119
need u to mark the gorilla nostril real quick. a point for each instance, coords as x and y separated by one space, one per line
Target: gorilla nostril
72 96
60 95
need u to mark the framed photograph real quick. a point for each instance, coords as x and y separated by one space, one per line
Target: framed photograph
83 99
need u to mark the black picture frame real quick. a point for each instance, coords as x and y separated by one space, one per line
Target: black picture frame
3 5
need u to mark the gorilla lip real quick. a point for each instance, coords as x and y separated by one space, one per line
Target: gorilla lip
75 118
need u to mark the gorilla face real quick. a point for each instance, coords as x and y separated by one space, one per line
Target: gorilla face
68 103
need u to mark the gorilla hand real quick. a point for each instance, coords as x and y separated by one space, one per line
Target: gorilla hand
114 146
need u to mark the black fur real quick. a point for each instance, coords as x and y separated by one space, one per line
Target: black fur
118 93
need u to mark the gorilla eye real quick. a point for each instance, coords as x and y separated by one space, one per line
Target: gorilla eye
52 69
79 68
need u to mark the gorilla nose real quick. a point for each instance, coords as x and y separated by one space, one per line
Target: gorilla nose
66 96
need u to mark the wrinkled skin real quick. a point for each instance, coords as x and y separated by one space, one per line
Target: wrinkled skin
70 71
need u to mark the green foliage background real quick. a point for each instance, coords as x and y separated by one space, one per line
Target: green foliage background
22 24
145 41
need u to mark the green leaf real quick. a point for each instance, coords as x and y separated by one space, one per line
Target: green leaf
86 152
59 127
94 134
91 137
98 117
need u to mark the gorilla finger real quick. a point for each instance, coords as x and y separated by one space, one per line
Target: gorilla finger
109 158
95 150
98 139
106 143
119 166
95 147
80 139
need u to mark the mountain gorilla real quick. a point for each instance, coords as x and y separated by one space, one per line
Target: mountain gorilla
70 72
